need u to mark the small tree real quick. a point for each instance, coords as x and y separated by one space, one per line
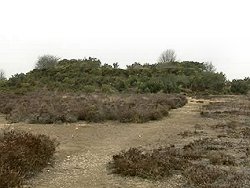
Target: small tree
209 67
167 56
46 61
2 75
115 65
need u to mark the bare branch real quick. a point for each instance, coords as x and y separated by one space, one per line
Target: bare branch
46 61
167 56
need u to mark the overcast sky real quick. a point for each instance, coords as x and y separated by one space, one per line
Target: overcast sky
126 31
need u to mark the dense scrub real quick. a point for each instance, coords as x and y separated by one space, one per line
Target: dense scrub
89 75
23 155
55 107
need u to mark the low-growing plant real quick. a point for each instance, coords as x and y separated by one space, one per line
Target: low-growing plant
219 158
53 107
153 164
202 176
23 155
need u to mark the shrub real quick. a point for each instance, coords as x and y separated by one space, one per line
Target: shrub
23 155
214 177
154 164
239 87
46 61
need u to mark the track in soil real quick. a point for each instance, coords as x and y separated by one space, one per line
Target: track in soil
86 149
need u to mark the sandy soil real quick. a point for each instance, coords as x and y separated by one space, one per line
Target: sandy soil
86 149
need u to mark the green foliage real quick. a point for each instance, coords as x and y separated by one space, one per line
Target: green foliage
208 81
89 75
240 86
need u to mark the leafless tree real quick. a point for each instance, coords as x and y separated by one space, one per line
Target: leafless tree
46 61
2 75
209 67
167 56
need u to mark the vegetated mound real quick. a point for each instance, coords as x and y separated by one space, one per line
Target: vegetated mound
23 155
90 75
55 107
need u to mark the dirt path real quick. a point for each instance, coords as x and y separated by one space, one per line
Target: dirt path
85 149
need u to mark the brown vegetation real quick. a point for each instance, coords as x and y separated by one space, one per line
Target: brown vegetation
154 164
214 177
53 107
207 162
163 162
23 155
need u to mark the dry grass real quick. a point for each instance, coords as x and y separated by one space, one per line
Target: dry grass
188 133
23 155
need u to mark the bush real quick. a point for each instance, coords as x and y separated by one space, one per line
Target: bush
214 177
156 164
239 87
23 155
46 61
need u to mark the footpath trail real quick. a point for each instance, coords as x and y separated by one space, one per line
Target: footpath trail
86 149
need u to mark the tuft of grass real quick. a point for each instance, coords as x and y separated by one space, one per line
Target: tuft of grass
22 156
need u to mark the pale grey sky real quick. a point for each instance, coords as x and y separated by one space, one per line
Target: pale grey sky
126 31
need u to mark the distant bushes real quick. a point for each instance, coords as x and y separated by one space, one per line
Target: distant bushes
240 86
55 107
23 155
90 76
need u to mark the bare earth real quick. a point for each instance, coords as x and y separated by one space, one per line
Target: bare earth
86 149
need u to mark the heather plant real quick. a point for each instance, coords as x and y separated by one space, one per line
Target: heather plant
55 107
22 156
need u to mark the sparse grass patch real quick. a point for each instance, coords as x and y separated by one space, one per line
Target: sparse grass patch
23 155
220 158
229 125
208 144
232 107
202 176
188 133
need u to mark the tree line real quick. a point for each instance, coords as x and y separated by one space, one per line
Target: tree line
90 75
